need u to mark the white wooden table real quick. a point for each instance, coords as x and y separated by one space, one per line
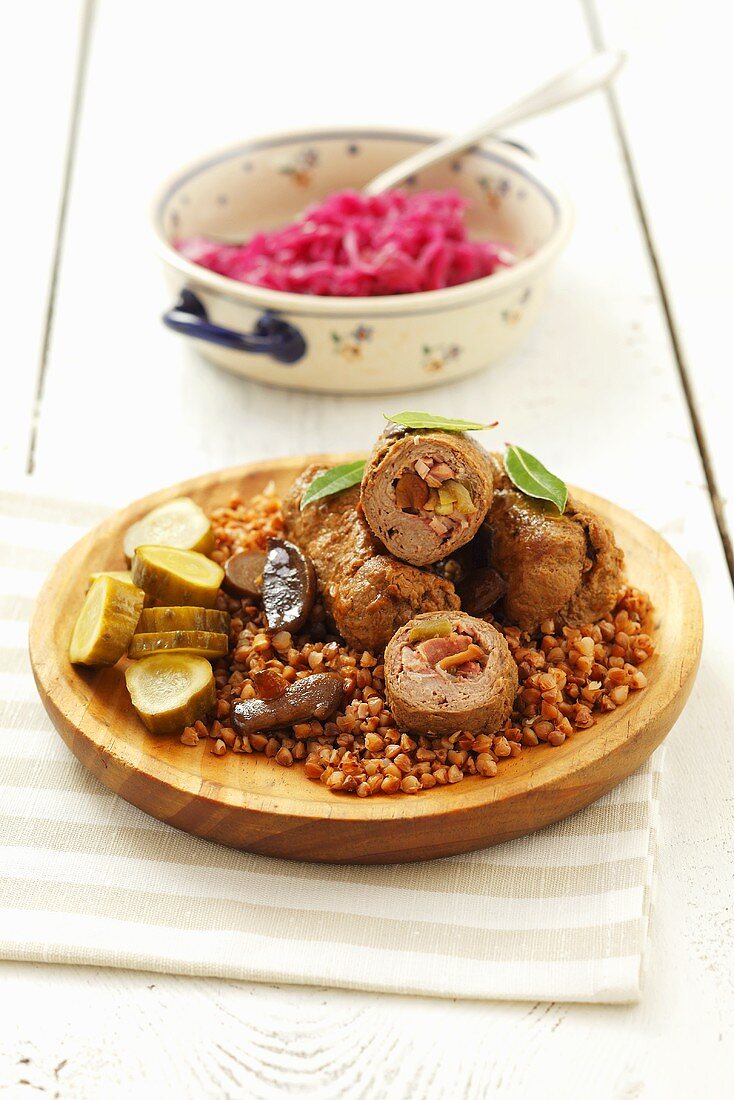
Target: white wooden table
623 385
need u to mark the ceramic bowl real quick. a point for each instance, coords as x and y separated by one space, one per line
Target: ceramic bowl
353 345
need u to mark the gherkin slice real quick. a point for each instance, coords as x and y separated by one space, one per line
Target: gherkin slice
156 619
179 523
429 628
106 622
119 574
177 577
202 643
171 690
123 575
462 496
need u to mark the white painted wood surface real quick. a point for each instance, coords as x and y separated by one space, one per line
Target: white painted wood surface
596 391
37 80
675 99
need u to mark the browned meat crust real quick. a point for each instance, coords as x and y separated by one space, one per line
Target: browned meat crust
562 567
406 535
367 593
436 704
602 580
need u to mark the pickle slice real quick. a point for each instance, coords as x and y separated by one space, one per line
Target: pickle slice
429 628
156 619
171 690
446 502
453 496
179 523
119 574
177 576
202 643
106 622
123 575
462 496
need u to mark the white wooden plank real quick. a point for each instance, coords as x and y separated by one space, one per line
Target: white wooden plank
39 54
595 391
675 98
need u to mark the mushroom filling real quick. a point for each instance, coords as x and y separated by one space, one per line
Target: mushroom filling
434 650
430 490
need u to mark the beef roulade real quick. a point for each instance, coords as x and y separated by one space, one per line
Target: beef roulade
447 671
562 567
425 493
367 593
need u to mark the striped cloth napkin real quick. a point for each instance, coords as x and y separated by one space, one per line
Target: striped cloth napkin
87 878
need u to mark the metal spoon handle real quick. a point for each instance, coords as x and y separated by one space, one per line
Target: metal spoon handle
595 72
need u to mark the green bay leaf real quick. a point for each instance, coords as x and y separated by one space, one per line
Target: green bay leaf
531 477
332 481
429 420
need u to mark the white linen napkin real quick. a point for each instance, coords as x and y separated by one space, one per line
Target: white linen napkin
87 878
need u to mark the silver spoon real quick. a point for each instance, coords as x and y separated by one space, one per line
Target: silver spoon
595 72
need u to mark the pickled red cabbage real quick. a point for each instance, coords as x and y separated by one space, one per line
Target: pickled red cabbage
354 245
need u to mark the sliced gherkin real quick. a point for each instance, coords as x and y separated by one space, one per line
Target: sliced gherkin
177 577
155 619
119 574
202 643
429 628
171 690
124 575
446 502
462 497
179 523
106 622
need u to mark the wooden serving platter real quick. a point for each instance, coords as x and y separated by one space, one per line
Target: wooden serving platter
251 802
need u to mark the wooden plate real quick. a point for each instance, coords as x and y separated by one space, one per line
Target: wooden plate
252 803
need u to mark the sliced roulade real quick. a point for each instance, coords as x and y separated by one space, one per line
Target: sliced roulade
447 671
425 493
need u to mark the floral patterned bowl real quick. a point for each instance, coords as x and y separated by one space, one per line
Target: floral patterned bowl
353 345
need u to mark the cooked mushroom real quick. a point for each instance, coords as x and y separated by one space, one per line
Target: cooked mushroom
447 671
317 696
243 574
288 587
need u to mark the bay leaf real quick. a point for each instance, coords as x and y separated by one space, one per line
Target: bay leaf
429 420
333 480
531 477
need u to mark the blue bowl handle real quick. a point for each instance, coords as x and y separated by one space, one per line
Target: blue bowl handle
271 335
